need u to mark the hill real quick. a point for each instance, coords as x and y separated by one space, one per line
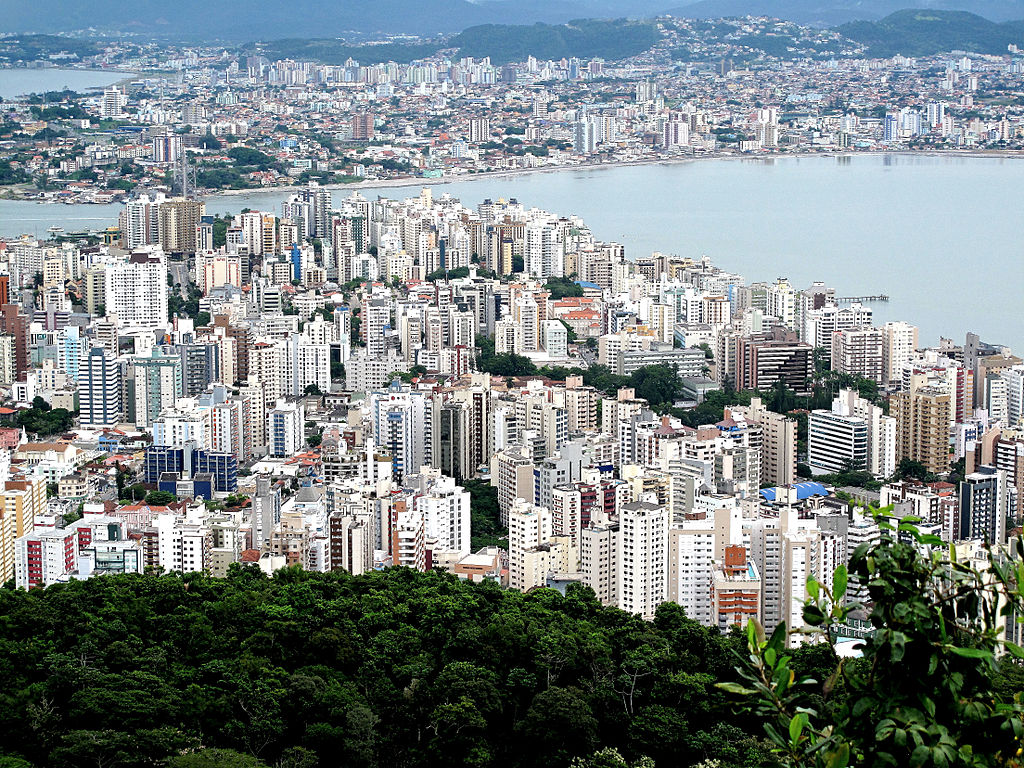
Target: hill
924 33
834 12
585 38
328 51
33 47
393 668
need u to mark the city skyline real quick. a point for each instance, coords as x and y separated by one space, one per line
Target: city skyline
423 479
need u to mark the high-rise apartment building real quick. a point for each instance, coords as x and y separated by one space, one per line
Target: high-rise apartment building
599 561
479 130
136 291
285 434
14 323
985 505
643 557
778 442
158 385
837 440
529 527
859 352
100 390
923 416
177 223
362 126
899 346
766 358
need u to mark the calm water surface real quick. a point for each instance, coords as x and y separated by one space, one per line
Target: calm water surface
940 235
20 82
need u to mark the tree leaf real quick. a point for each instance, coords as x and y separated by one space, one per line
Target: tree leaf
920 756
840 758
813 588
735 688
839 583
970 653
796 727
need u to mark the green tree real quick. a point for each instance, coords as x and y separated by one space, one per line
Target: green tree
609 757
508 364
559 725
485 525
657 384
160 498
913 469
560 287
214 758
923 693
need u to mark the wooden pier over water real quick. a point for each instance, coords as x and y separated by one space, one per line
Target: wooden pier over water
862 299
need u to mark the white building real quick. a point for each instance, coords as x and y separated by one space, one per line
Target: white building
555 339
183 425
136 291
643 557
836 440
899 347
544 254
285 436
529 527
215 270
402 425
859 352
599 561
445 508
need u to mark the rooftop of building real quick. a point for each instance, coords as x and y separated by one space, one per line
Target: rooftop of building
803 491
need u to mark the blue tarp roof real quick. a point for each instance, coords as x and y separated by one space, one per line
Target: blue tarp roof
585 284
803 491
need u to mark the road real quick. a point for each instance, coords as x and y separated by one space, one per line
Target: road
179 276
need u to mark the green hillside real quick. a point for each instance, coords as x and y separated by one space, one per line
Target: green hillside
584 38
35 47
393 668
925 33
337 52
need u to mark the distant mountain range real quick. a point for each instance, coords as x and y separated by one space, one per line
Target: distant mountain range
270 19
501 42
501 28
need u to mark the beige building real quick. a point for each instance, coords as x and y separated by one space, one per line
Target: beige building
177 220
20 502
923 418
778 442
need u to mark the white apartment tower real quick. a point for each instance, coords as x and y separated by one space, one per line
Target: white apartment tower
136 291
899 346
643 531
529 527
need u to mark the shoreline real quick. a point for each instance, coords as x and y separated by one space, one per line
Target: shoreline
227 194
588 167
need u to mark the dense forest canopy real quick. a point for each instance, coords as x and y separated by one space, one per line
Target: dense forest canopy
394 668
408 669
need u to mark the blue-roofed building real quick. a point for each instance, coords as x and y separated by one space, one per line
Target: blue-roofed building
804 491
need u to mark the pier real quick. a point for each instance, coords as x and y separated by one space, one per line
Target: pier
862 299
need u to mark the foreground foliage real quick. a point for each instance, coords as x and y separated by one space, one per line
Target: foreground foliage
393 668
938 685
